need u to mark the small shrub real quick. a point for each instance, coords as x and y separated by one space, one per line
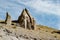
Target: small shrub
55 36
14 27
46 31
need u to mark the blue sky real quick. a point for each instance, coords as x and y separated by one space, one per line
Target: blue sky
45 12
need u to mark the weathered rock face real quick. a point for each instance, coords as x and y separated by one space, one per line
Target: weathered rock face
8 19
26 20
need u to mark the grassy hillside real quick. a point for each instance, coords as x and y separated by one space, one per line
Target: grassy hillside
45 28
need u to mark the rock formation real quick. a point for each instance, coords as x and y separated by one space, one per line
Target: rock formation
26 20
8 19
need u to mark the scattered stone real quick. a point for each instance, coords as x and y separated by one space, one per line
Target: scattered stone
58 31
7 31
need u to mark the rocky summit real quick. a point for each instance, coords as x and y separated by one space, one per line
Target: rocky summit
25 28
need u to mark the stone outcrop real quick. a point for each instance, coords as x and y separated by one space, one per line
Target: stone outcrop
26 20
8 19
57 31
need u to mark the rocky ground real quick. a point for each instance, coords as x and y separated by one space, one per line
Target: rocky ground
14 32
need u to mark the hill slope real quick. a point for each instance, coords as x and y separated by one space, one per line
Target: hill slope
14 32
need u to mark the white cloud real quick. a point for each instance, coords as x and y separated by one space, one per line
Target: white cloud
43 6
10 6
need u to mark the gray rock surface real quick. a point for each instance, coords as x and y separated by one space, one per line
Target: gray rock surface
19 33
26 20
8 19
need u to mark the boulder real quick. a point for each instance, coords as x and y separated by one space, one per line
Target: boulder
26 20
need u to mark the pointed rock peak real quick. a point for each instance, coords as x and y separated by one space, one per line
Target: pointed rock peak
26 10
7 14
8 18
